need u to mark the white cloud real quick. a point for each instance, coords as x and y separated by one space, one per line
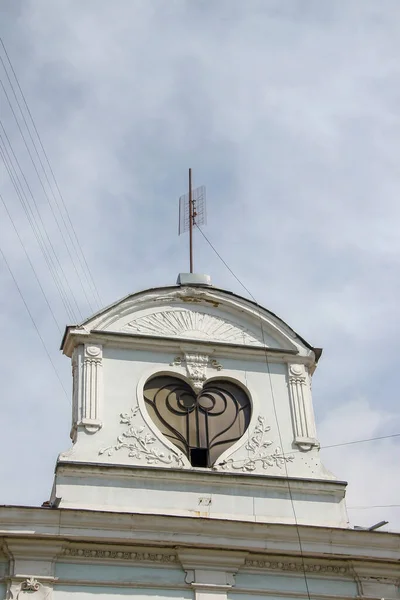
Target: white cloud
288 112
369 468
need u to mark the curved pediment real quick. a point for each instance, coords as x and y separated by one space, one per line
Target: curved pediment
204 314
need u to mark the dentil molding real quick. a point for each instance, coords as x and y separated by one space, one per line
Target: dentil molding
107 554
295 566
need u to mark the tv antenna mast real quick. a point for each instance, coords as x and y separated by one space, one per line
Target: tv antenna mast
192 212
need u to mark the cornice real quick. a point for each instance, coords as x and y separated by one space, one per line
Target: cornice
379 548
76 336
222 478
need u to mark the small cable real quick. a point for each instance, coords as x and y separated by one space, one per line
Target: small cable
31 264
373 506
75 241
34 323
274 407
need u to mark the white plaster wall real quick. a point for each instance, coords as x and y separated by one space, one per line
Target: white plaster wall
126 370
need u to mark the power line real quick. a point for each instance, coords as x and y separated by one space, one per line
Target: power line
15 180
274 407
73 238
44 190
30 262
373 506
275 411
33 322
373 439
226 264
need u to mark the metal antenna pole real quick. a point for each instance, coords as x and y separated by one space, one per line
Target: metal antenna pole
190 221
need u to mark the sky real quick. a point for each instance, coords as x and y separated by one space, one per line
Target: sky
288 111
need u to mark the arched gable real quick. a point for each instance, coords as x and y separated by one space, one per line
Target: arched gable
196 313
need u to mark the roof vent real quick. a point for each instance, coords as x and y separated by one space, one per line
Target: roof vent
193 279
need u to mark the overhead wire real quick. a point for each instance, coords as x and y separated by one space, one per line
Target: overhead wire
80 253
277 420
30 263
33 322
46 195
67 245
275 413
50 257
373 506
361 441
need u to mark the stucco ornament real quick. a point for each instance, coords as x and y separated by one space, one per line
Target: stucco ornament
28 587
257 447
196 367
140 443
192 324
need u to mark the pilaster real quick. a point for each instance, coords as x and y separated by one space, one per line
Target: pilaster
301 406
31 568
87 371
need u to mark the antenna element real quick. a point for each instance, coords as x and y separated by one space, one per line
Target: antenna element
192 211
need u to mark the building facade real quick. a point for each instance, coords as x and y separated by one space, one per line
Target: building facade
194 471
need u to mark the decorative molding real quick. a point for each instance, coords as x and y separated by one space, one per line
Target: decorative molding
92 387
30 585
191 324
177 362
196 367
120 555
301 404
139 443
258 452
294 566
216 365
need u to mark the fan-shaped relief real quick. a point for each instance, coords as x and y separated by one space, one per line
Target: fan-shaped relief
192 324
202 425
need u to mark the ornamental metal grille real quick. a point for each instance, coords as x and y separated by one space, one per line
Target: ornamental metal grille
202 425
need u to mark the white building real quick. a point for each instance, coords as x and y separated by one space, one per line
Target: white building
195 470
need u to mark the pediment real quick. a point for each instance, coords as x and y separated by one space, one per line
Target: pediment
191 324
197 314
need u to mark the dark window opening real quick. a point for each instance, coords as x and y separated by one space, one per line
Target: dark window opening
199 457
202 424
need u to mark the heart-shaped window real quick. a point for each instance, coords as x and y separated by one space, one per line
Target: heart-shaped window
203 425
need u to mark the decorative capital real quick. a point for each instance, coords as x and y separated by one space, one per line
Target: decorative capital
297 374
30 585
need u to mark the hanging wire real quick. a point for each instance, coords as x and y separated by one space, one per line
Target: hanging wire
74 238
44 190
34 323
56 219
274 408
50 258
30 263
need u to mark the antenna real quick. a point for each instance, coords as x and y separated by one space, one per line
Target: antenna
192 211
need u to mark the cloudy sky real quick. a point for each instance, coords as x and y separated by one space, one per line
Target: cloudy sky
288 111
